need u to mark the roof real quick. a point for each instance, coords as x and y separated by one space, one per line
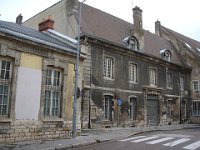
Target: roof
190 43
23 32
105 26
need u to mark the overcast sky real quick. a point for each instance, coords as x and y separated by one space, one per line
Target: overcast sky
182 16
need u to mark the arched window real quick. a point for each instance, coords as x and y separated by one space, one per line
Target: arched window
131 43
166 54
133 108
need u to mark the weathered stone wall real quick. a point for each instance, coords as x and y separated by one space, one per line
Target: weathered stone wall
17 131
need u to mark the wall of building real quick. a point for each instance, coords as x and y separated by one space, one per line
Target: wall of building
25 119
121 87
28 87
61 13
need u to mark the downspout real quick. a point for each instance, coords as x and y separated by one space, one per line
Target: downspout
89 122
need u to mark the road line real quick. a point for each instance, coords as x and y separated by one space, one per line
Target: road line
132 138
171 144
193 146
144 139
159 140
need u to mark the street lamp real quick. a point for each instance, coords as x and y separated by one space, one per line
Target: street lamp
76 75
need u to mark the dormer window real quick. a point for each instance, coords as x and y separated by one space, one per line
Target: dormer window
166 54
131 43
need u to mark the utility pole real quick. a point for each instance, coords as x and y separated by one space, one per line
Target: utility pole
76 75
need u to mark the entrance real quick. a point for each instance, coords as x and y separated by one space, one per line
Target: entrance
152 110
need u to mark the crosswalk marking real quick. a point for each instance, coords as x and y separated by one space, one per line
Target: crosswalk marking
171 144
193 146
144 139
132 138
159 140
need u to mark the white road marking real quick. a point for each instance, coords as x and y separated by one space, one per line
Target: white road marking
171 144
193 146
132 138
159 140
144 139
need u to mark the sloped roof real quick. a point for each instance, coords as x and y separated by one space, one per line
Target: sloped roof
105 26
189 42
23 32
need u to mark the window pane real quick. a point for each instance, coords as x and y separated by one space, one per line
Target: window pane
52 97
47 103
108 67
48 77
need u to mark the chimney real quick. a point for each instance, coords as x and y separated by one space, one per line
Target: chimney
19 19
158 28
137 19
46 24
138 32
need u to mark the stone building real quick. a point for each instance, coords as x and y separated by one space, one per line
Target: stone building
36 82
189 49
130 76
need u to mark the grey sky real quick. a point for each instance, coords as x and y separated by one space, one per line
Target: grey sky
179 15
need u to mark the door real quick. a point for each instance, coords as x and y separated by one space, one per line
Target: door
152 110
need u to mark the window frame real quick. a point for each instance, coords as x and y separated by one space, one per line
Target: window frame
133 102
6 82
182 82
106 75
154 84
52 88
169 79
196 108
133 73
107 113
193 85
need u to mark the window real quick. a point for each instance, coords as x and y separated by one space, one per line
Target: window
169 80
52 93
166 54
108 67
133 72
196 108
153 81
133 108
5 76
108 104
195 85
169 108
132 44
182 82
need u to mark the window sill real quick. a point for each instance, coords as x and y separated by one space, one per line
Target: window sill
105 78
133 82
7 120
53 120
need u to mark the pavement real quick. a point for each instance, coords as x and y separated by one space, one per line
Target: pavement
89 137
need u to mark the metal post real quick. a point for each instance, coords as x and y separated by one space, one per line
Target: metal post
76 75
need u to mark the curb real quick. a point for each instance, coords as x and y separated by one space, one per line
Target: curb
141 130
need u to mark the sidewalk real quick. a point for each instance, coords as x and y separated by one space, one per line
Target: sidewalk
90 137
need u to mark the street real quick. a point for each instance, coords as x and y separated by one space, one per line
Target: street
188 139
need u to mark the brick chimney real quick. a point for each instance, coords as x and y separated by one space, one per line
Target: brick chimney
46 24
158 28
19 19
138 31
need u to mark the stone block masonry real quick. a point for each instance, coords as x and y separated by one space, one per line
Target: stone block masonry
17 131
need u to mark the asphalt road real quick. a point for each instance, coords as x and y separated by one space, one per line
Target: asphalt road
187 139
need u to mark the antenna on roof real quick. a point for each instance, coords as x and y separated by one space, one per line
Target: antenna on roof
131 3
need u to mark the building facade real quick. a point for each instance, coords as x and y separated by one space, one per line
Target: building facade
130 76
36 84
189 49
